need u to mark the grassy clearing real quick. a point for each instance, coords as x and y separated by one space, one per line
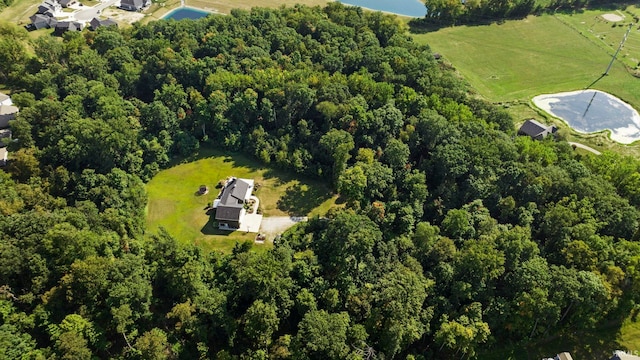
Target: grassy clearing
175 205
517 60
20 11
520 59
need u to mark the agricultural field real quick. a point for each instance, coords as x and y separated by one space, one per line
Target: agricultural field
175 205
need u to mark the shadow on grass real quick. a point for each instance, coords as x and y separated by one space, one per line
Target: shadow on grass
300 199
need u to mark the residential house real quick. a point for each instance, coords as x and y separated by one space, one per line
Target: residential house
41 21
561 356
134 5
536 130
622 355
63 26
95 23
7 113
5 99
49 6
230 203
3 156
67 3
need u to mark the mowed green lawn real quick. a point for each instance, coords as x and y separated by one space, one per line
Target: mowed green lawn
518 60
175 205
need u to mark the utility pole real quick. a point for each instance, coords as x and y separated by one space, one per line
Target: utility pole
617 51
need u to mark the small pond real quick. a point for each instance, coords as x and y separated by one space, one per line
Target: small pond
186 13
589 111
413 8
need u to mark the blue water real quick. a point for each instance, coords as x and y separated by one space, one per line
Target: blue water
186 13
413 8
591 111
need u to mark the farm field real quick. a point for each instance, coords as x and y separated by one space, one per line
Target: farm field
517 60
175 205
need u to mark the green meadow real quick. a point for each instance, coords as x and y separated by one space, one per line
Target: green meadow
517 60
174 202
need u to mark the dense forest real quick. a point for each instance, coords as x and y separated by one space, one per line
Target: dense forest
457 235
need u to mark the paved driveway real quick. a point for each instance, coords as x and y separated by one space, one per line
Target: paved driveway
87 13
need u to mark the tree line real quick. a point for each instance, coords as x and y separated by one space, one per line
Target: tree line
456 236
457 12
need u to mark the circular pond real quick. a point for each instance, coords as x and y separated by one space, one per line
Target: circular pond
589 111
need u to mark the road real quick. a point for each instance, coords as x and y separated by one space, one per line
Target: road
585 147
88 13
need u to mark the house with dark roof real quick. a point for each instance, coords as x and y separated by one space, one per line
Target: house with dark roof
67 3
536 130
42 21
49 6
63 26
95 23
134 5
230 204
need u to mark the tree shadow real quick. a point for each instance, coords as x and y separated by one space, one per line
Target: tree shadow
300 199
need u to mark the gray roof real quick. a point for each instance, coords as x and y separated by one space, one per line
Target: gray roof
233 193
96 23
66 3
137 4
232 200
535 129
40 21
228 213
4 133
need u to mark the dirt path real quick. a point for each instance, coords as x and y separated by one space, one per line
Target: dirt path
585 147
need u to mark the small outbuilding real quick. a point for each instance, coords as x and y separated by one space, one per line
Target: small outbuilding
536 130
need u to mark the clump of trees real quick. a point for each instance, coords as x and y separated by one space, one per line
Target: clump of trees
455 235
452 12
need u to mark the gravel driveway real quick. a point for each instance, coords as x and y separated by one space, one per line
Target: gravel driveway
274 225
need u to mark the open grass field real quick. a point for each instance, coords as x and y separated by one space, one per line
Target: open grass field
517 60
175 205
514 61
608 34
19 11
